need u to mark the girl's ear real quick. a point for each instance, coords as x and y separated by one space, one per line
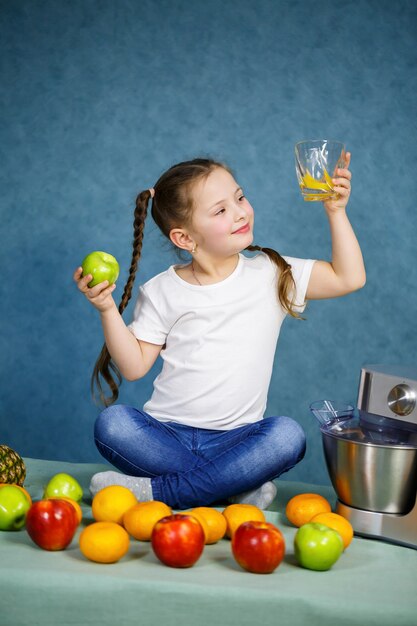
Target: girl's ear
181 239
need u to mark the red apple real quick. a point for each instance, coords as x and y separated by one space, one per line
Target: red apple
178 540
51 524
258 547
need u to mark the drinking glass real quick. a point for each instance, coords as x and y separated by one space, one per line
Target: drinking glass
316 162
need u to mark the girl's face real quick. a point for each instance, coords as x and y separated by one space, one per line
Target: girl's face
222 222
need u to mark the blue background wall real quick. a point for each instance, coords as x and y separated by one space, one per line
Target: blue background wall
99 98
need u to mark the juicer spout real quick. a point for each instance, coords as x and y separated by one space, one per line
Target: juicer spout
327 412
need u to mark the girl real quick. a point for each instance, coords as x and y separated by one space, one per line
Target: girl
201 438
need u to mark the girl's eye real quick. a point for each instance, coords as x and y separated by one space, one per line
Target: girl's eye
241 198
220 211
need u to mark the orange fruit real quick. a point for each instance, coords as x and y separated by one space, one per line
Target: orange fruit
74 504
203 523
111 503
236 514
302 508
25 491
337 522
213 522
140 519
104 542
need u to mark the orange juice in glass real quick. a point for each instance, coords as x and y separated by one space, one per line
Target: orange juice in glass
316 162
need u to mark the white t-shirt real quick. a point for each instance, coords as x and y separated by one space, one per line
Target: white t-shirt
220 341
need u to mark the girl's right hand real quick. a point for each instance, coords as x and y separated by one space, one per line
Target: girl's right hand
100 295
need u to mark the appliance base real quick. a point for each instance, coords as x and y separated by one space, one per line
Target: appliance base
390 527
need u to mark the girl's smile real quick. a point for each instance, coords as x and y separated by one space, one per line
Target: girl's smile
241 231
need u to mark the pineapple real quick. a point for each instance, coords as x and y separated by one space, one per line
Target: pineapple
12 466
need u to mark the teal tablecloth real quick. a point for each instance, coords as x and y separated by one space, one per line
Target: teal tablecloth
373 583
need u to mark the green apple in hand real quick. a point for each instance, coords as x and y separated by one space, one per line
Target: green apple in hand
317 546
14 506
102 266
63 485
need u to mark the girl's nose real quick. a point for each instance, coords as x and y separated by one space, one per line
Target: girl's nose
240 214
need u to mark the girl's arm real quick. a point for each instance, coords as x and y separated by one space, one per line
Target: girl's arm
346 271
133 357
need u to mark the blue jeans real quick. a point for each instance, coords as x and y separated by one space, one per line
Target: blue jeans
194 466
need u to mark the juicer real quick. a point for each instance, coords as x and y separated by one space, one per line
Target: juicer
371 454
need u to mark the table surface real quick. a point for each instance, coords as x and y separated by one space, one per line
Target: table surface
373 582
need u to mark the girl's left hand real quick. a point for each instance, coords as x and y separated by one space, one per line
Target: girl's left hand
342 186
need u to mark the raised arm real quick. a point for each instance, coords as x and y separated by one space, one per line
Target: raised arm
346 271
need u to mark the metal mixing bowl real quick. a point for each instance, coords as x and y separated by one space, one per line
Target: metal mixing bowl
369 476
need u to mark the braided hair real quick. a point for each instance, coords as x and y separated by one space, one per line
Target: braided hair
104 367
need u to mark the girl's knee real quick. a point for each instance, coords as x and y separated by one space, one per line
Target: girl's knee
104 423
111 422
288 433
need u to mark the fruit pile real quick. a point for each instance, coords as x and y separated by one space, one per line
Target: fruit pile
322 536
51 522
177 539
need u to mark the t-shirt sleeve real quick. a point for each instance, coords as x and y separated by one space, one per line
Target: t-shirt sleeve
148 323
301 271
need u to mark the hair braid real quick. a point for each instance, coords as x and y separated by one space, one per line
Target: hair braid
286 284
105 368
138 228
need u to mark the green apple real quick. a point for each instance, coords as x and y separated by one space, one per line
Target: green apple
63 485
102 266
13 508
317 546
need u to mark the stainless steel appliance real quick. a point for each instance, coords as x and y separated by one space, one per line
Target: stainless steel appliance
371 454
